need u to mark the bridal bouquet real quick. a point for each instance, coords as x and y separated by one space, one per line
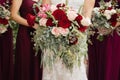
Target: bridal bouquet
61 33
4 17
5 20
105 18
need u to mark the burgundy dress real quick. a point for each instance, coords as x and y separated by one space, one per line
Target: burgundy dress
6 54
113 56
96 54
27 65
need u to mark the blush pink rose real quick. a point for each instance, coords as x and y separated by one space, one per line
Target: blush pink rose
63 31
42 22
55 31
71 14
46 7
42 15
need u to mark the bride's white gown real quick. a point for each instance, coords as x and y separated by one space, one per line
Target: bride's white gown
59 71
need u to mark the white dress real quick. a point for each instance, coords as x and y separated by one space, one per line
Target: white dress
58 70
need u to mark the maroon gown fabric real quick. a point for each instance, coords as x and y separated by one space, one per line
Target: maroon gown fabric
6 54
113 56
96 54
27 65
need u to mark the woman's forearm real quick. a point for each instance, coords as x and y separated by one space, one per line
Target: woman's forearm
14 13
118 24
46 1
88 8
19 19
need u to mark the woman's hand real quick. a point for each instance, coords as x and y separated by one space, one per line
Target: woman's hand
15 7
118 24
35 26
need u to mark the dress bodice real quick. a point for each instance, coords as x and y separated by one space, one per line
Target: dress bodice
76 4
26 7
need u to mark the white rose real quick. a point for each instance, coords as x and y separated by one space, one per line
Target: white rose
86 21
107 14
42 22
113 11
71 14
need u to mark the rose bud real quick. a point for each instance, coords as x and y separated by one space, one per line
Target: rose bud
60 5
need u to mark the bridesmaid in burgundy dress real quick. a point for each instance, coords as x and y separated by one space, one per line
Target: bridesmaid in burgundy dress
6 53
96 54
113 55
27 65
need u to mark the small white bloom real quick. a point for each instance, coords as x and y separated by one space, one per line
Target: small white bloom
86 21
96 9
3 30
71 15
108 17
42 22
108 4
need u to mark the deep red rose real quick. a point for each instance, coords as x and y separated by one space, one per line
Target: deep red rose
65 23
3 21
113 19
36 9
50 22
73 40
78 19
110 8
62 19
82 28
113 24
30 19
59 14
60 5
